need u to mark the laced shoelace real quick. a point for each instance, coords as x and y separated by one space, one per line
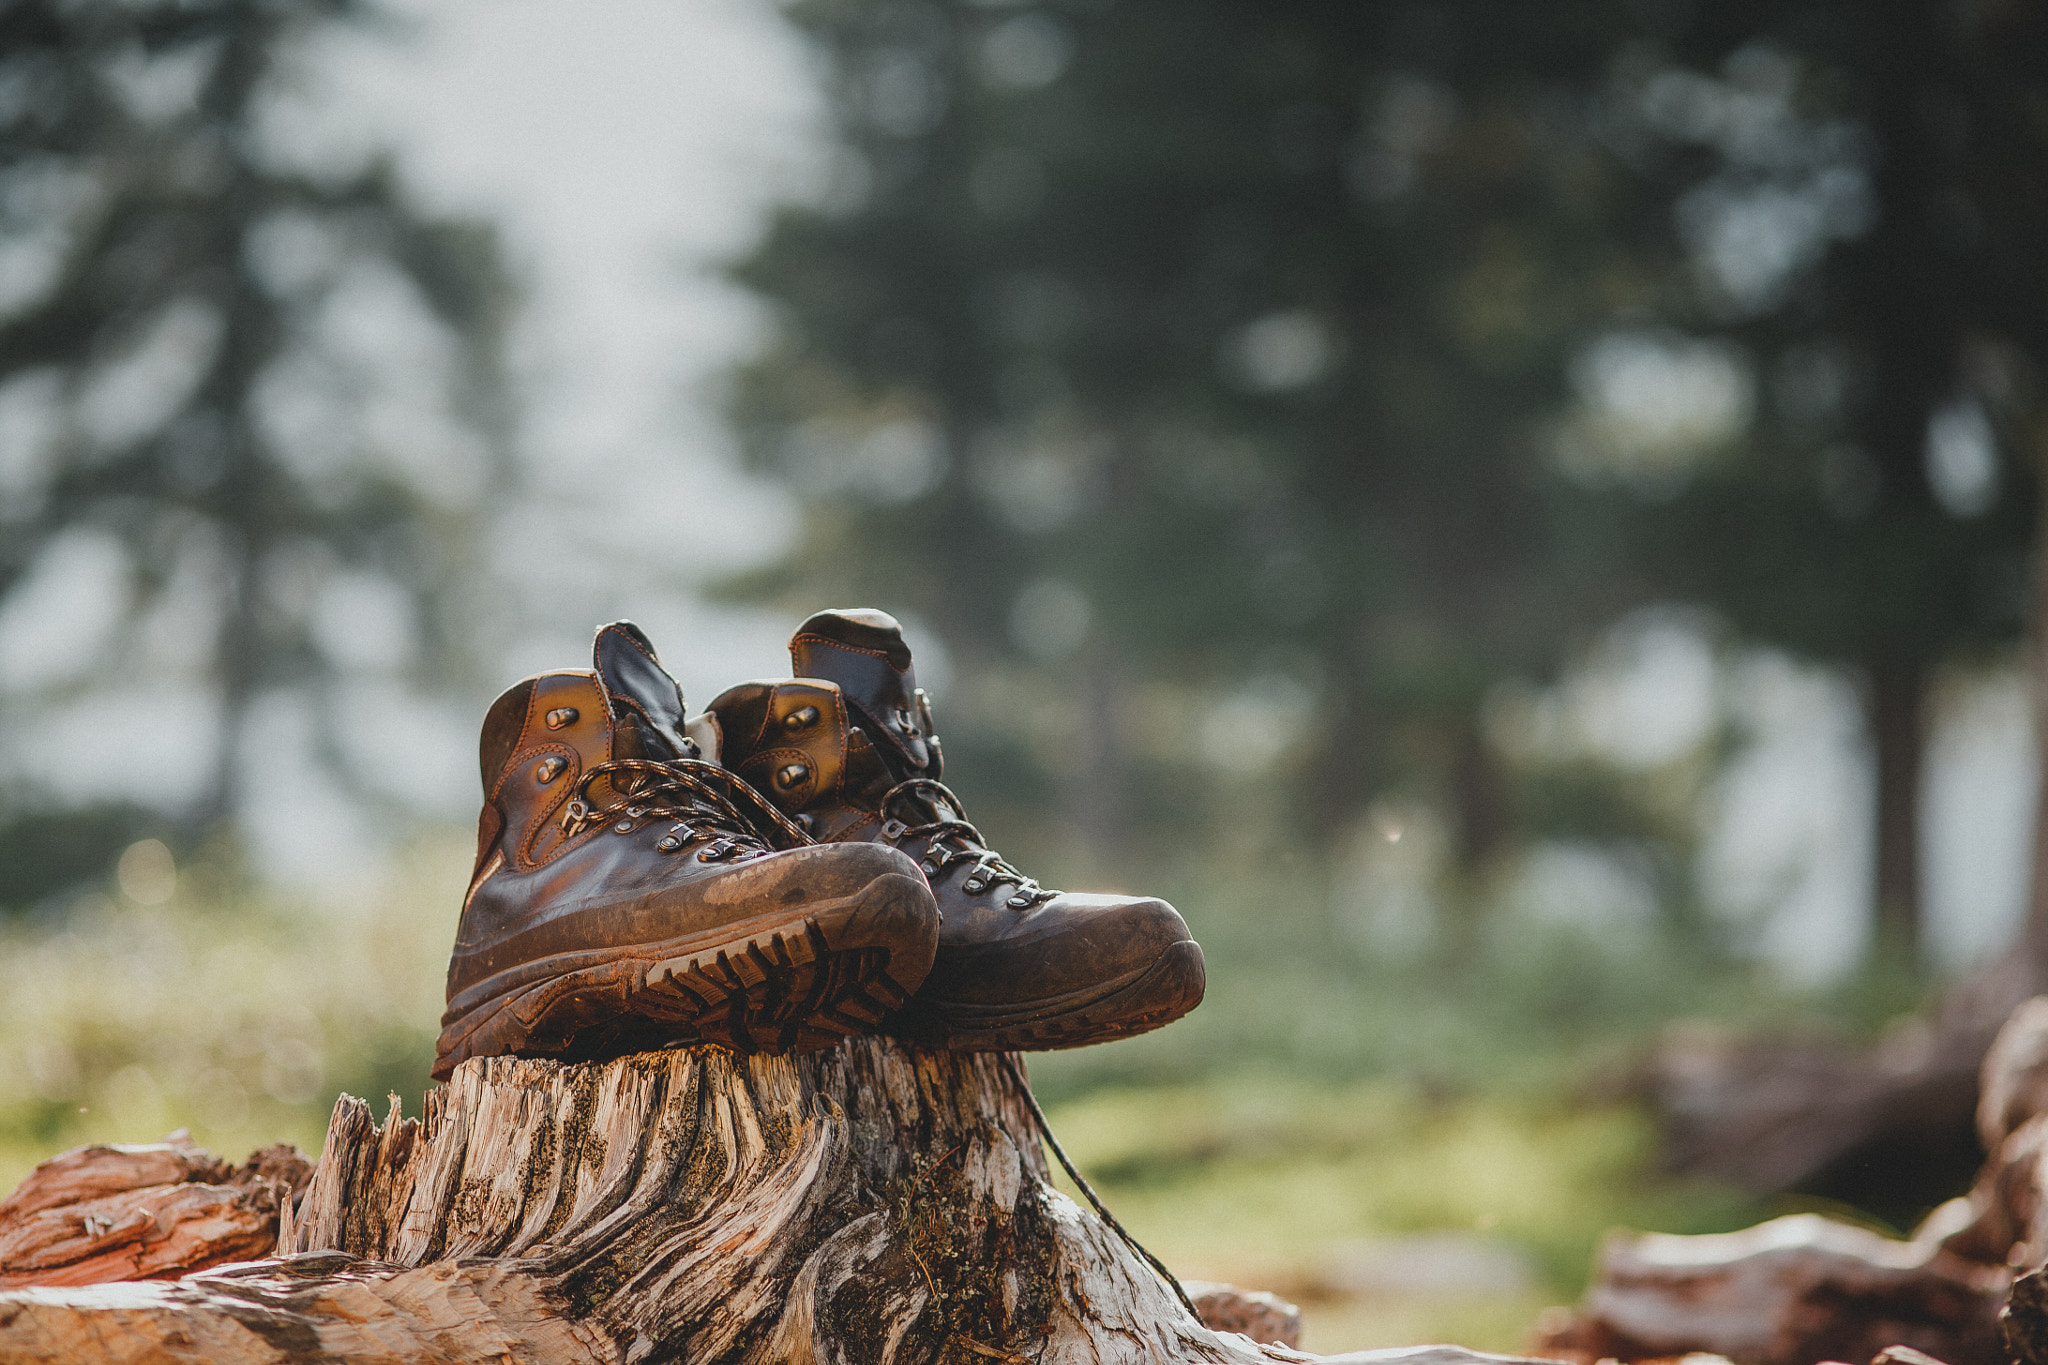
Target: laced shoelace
1016 1076
711 802
951 839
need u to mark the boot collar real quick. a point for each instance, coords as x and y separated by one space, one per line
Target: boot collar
644 702
862 652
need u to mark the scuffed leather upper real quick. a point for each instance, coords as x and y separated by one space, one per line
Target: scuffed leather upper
796 743
828 746
541 890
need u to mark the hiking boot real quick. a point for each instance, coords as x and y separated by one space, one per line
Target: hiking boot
847 749
630 893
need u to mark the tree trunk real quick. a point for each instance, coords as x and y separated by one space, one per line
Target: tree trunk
2033 940
1101 799
868 1203
1897 705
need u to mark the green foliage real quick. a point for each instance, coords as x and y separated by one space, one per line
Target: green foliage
1300 987
1325 367
1259 1180
1840 178
1206 343
47 853
1884 310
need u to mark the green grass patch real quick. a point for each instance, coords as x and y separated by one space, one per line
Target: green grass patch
1314 1191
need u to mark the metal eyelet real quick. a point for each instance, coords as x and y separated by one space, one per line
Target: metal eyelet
561 716
1020 902
892 830
791 775
669 844
549 768
973 887
801 719
624 827
930 869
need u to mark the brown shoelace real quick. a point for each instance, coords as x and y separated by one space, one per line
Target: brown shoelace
714 799
951 839
1087 1190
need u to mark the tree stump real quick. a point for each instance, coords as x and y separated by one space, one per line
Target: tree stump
867 1203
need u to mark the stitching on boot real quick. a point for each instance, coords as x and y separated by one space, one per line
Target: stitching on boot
565 784
881 654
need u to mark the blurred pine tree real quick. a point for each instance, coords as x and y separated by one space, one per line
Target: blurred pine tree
1242 346
1859 190
233 383
1209 345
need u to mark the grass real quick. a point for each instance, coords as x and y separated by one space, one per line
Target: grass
226 1011
1393 1215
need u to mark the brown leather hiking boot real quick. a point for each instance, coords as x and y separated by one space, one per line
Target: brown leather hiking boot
629 894
847 749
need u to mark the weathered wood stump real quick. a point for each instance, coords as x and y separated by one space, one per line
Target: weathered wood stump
868 1203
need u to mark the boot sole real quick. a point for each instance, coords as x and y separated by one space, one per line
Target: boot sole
1138 1002
775 984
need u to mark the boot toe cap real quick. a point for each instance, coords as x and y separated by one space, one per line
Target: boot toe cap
824 873
1075 970
1075 944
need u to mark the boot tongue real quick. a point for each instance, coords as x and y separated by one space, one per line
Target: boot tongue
643 698
862 650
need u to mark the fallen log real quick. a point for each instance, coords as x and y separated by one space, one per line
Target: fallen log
144 1211
1804 1289
864 1203
1793 1291
1887 1127
1248 1312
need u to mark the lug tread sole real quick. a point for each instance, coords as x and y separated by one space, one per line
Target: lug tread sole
800 985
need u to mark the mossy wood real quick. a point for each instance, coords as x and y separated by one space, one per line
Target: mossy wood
866 1203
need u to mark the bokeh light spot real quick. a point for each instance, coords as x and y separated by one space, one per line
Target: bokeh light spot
147 873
